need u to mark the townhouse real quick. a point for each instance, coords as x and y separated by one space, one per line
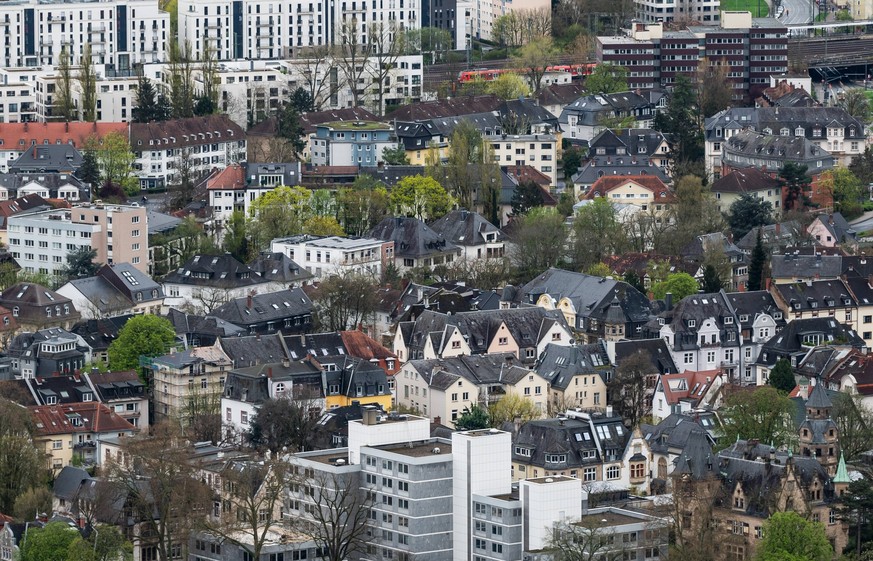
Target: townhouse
350 143
415 244
287 310
123 392
48 352
589 115
682 393
759 319
477 238
115 290
577 376
730 187
35 307
237 186
205 282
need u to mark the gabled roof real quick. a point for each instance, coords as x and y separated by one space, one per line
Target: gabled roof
837 226
412 238
221 271
631 165
361 345
99 333
656 349
791 339
560 364
185 324
32 299
810 295
688 386
673 433
18 136
278 267
452 107
255 349
119 385
580 441
464 228
212 355
233 177
747 180
748 305
790 266
93 417
774 237
560 94
603 186
262 308
183 133
47 158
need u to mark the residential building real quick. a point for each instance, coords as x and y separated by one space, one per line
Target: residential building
776 238
586 117
98 334
288 311
205 282
811 299
792 267
554 97
355 344
280 270
747 181
201 331
668 439
18 137
35 307
47 186
48 352
47 159
323 256
261 136
600 166
477 238
833 230
123 392
186 380
862 292
40 241
197 144
643 145
415 244
237 186
638 201
115 290
760 318
539 151
72 431
348 380
122 33
522 331
577 376
595 307
696 252
685 392
352 143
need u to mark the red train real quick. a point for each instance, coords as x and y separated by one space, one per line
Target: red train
492 74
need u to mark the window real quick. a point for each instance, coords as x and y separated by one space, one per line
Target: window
244 417
590 474
638 471
613 472
688 358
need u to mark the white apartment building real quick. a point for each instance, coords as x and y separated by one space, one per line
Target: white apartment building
121 32
323 256
116 95
540 151
40 241
17 94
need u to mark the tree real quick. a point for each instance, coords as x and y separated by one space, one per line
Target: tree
105 543
50 543
209 78
421 197
572 160
150 104
180 76
711 281
115 161
386 44
795 179
345 300
862 166
87 78
143 335
89 172
714 89
695 212
282 423
33 502
585 542
566 202
301 100
395 156
459 177
764 414
321 79
747 213
351 57
847 192
512 407
681 121
508 85
431 41
607 78
21 464
338 516
782 376
539 243
857 104
362 205
164 494
855 423
527 195
628 387
534 58
278 213
64 107
856 510
80 264
291 129
757 263
597 234
790 537
679 285
252 501
472 418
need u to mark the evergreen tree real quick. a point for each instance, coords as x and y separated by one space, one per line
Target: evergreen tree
150 105
680 120
796 180
711 279
527 195
782 376
290 128
301 100
756 265
89 172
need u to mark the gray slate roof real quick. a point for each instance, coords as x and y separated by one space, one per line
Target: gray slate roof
262 308
412 238
790 266
465 228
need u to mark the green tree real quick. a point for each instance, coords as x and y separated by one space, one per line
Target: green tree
748 212
235 240
291 129
539 242
301 100
856 510
597 234
80 264
472 418
764 414
508 85
115 161
711 281
459 178
566 202
362 205
64 107
534 58
695 212
33 502
679 285
680 120
782 376
855 423
144 335
431 42
21 464
421 197
789 536
862 166
105 544
757 263
632 278
278 213
527 195
607 78
87 78
150 105
50 543
510 407
323 226
794 177
395 156
282 423
89 172
847 191
857 104
571 160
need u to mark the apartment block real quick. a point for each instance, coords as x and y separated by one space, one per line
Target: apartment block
753 49
539 151
355 143
121 33
328 255
40 241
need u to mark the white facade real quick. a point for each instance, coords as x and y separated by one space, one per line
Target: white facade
323 256
482 465
121 32
540 151
389 430
39 242
556 499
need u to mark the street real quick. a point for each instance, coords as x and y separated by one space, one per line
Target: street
796 11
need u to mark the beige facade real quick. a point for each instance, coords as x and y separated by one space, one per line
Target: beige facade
539 151
587 391
189 381
123 234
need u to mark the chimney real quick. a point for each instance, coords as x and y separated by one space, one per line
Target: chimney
249 301
437 420
270 372
778 228
668 301
286 362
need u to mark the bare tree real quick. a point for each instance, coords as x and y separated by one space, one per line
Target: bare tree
387 44
584 541
351 58
64 108
209 73
252 494
163 493
631 387
336 512
201 414
320 76
87 78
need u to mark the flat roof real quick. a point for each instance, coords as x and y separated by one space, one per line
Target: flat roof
330 457
551 479
482 432
419 449
608 518
357 125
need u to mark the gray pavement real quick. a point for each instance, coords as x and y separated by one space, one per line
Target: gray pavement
796 11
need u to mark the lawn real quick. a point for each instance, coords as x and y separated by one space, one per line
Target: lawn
747 6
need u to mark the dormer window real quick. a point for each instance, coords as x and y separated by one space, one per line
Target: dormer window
692 323
777 315
728 320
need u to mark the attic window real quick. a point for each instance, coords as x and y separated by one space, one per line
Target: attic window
777 315
728 320
692 323
522 451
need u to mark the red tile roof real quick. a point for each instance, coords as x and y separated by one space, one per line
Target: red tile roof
607 183
96 418
694 387
231 177
529 173
18 136
361 345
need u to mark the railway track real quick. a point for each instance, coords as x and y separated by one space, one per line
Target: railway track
436 74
